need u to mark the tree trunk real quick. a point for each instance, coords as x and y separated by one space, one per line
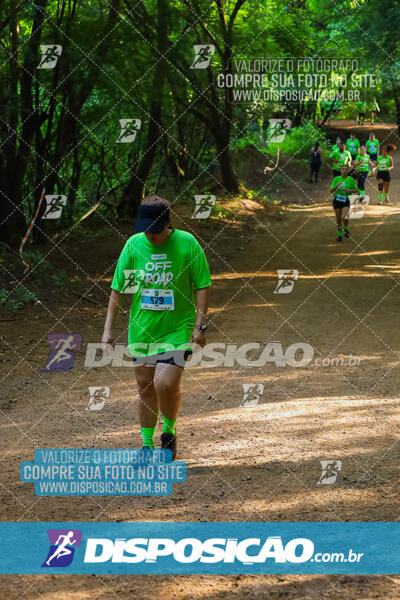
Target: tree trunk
15 162
133 192
228 176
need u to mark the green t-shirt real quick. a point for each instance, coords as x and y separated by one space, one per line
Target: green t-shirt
372 146
341 158
383 163
348 186
162 280
363 159
352 145
362 106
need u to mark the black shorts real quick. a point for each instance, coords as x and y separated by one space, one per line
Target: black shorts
374 156
360 114
384 175
353 156
177 358
337 204
362 178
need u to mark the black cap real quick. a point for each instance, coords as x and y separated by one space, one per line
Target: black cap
152 218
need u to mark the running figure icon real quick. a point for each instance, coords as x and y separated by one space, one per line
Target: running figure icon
61 356
63 543
62 549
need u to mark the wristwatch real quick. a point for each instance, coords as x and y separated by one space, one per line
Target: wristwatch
202 327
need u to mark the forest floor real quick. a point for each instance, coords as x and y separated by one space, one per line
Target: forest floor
244 464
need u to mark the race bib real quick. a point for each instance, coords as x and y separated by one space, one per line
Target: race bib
341 198
157 300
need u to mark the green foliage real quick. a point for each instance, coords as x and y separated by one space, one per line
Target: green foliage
43 272
299 140
15 299
108 71
81 233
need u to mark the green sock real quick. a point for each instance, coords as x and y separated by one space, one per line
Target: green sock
385 196
339 232
148 436
345 227
380 197
169 426
361 192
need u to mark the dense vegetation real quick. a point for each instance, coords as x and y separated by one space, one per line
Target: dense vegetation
124 59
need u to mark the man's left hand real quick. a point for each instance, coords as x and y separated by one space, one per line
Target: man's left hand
198 337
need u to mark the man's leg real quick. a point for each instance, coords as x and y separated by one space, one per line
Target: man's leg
338 213
167 381
380 191
386 191
345 215
148 405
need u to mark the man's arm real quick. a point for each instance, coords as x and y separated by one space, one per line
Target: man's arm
335 187
114 307
201 298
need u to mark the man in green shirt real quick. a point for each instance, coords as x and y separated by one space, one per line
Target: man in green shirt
384 164
374 108
364 166
361 110
352 145
372 145
167 275
336 144
343 186
341 158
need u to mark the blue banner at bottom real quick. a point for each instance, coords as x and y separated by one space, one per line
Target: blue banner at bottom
200 548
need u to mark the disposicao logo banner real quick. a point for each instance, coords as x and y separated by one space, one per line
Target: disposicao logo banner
201 548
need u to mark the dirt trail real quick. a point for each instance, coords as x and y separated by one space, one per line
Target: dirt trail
245 464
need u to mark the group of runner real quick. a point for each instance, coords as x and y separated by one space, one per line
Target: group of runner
363 107
330 108
352 164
